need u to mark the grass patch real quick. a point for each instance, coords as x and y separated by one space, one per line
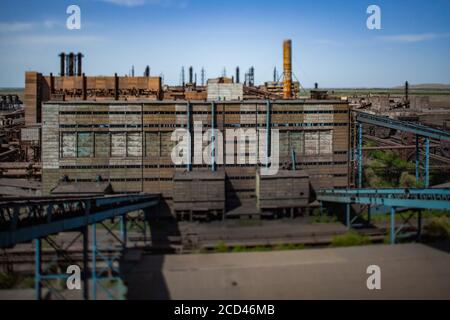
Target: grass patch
15 281
349 239
437 229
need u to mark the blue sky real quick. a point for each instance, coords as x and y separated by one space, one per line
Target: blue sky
331 43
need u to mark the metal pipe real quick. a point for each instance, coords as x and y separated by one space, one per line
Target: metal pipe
417 159
392 225
38 268
71 64
80 64
94 262
213 138
189 129
287 65
360 156
268 126
427 162
62 63
237 75
191 75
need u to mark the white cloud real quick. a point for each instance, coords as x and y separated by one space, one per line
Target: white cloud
327 42
126 3
17 26
411 38
163 3
6 27
61 40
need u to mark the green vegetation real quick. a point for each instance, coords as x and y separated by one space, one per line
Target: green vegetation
323 217
13 280
222 248
437 229
351 238
385 169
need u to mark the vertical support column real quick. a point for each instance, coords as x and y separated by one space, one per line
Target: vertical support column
294 160
419 226
123 230
38 268
116 87
213 137
268 128
369 214
189 129
427 162
94 261
85 232
347 216
417 159
360 156
392 229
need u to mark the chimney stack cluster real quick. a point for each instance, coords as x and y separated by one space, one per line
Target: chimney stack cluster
71 64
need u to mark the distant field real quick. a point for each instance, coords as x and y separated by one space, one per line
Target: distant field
18 91
439 97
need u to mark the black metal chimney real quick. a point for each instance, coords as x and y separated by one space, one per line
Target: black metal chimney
62 70
80 64
71 64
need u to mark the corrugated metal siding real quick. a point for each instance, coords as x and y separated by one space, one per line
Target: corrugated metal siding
118 144
102 145
151 144
134 144
69 145
85 145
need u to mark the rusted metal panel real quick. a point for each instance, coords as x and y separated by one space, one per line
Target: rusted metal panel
69 145
85 145
102 144
118 144
134 144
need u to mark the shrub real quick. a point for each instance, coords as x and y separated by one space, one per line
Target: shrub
221 247
350 238
438 229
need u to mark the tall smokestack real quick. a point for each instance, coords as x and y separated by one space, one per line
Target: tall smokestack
287 65
237 75
71 64
62 70
80 64
191 74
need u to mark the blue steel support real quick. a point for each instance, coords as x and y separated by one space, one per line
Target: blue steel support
38 268
417 159
347 216
392 225
419 226
268 127
369 214
213 138
85 232
360 155
94 261
123 230
427 162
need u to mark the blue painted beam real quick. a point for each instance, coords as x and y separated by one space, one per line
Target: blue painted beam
402 126
414 198
9 238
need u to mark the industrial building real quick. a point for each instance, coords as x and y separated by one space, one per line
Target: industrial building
118 129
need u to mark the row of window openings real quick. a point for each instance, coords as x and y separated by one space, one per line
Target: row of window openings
201 112
306 164
206 124
169 179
